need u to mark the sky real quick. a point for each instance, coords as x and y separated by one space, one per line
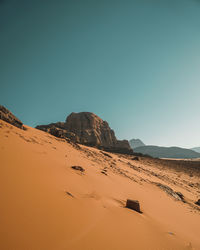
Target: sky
135 63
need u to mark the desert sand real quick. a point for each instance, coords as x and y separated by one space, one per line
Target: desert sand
46 204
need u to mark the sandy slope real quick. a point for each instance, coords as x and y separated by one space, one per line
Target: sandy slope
45 204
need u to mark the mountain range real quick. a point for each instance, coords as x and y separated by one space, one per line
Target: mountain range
197 149
164 152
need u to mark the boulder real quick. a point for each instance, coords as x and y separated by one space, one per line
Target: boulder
7 116
134 205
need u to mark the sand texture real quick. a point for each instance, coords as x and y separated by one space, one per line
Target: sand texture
59 195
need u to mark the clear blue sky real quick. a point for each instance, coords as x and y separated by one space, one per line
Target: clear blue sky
135 63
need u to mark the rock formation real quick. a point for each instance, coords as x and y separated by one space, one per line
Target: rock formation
88 129
7 116
58 129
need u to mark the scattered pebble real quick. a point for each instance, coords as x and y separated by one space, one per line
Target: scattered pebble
78 168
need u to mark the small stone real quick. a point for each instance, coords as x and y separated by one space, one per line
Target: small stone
134 205
79 168
68 193
198 202
136 158
103 172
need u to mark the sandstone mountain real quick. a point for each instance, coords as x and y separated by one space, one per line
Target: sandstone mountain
135 143
88 129
7 116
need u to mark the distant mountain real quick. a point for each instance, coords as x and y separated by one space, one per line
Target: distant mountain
197 149
167 152
135 143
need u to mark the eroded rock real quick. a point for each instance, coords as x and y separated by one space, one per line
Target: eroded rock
88 129
176 195
7 116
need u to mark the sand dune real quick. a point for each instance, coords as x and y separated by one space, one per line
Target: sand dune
46 204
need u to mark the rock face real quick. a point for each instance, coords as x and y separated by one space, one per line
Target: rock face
58 129
88 129
7 116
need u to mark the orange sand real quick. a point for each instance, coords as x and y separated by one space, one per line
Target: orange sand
36 212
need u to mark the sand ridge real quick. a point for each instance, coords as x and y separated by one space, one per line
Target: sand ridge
46 204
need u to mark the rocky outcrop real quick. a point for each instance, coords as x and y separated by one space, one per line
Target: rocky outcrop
58 129
91 129
88 129
7 116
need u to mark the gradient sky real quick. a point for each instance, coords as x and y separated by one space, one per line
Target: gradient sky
135 63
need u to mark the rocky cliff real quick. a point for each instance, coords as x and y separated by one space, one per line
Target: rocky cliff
88 129
7 116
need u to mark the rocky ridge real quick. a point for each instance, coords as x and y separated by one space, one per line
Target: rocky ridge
88 129
7 116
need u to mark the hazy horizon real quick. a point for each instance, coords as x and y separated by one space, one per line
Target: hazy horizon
133 63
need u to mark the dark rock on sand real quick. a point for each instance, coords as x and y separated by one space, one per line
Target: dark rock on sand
134 205
176 195
198 202
180 195
136 158
79 168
